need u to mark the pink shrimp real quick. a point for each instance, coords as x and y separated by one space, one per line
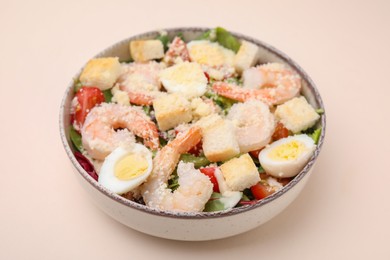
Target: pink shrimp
177 52
254 123
275 85
99 135
141 81
195 188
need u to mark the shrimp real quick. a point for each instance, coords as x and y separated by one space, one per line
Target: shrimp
219 72
141 81
274 81
254 123
99 134
177 52
195 188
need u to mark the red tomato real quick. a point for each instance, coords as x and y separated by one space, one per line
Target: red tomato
280 132
209 171
197 149
284 181
87 98
255 153
207 76
260 191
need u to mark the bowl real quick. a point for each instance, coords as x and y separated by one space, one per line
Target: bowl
193 226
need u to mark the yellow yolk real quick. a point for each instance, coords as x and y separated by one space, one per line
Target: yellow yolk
206 54
130 167
186 73
288 151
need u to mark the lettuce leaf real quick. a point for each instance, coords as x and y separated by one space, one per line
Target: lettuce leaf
75 137
227 40
316 135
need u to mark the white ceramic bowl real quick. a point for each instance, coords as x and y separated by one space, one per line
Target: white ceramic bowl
192 226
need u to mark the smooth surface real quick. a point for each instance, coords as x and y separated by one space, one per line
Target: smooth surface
344 210
191 229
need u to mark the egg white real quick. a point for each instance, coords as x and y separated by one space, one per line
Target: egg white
107 176
290 167
185 78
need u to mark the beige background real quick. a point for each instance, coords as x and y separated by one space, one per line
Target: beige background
344 211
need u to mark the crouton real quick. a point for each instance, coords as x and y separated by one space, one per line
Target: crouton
296 114
219 139
172 110
208 121
240 173
119 96
200 108
145 50
101 73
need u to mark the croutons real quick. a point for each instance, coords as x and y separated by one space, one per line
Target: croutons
119 96
172 110
296 114
219 138
145 50
246 56
240 173
200 108
101 73
209 121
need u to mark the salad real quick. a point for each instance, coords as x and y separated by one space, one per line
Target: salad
200 125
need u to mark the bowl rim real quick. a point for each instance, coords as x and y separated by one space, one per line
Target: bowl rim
196 215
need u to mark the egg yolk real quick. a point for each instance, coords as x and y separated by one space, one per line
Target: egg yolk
287 151
130 167
185 73
206 54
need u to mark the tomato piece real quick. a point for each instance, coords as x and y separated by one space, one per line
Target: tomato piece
255 153
263 176
197 149
207 76
284 181
260 191
71 119
280 132
209 172
87 98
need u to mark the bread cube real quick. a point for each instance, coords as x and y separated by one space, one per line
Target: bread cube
246 56
240 173
208 121
172 110
200 108
219 140
145 50
119 96
101 73
296 114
